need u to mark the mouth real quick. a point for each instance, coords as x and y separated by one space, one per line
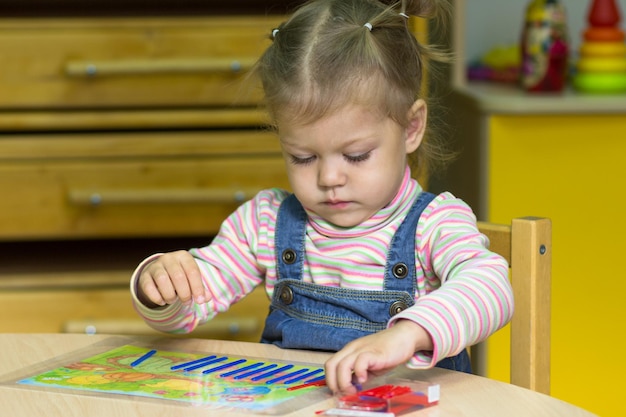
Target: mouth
336 204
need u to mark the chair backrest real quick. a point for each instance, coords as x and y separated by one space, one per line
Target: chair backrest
527 246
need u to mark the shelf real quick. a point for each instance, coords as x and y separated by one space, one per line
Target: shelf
509 99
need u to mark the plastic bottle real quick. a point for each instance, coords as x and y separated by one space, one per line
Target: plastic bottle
544 47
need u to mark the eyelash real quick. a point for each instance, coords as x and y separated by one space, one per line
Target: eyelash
358 158
354 159
301 161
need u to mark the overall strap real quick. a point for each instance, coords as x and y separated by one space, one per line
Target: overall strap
400 270
289 238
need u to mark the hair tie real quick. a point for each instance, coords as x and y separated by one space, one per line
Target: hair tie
274 32
368 25
406 16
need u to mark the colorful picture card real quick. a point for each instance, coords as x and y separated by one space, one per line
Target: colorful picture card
199 379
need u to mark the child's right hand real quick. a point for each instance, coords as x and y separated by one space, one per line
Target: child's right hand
170 277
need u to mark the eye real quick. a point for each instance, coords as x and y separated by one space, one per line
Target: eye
358 158
296 160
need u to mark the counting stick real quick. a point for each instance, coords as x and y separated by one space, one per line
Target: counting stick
318 383
205 363
272 373
305 376
245 368
197 361
224 366
256 371
143 358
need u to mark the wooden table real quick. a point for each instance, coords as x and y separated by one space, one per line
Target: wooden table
461 394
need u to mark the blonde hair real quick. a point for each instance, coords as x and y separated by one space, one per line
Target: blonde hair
330 53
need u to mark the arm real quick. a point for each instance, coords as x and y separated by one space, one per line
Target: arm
465 294
176 292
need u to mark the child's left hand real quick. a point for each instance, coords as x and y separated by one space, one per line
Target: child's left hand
375 354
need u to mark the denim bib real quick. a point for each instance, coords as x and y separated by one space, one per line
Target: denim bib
308 316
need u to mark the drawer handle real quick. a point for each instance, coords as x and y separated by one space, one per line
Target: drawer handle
157 66
161 196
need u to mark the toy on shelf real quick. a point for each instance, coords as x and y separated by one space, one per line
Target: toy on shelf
499 64
544 47
601 67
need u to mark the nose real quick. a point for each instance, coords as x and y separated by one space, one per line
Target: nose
330 174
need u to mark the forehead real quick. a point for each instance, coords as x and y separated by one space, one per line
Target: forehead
355 117
351 127
310 102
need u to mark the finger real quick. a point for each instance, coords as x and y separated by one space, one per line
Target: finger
148 293
177 276
199 292
339 368
330 370
344 375
164 282
362 365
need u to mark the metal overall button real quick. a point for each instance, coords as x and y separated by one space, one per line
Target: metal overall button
286 295
289 256
400 270
397 307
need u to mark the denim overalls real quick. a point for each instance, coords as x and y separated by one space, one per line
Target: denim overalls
309 316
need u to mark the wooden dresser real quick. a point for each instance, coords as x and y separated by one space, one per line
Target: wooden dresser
119 137
122 136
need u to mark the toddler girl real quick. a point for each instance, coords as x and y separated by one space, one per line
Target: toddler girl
357 259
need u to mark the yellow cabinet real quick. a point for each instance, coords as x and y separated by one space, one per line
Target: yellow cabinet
561 157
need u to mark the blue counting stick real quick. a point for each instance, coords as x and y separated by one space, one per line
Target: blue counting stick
203 364
186 364
143 358
245 368
271 373
319 378
286 376
301 377
224 366
256 371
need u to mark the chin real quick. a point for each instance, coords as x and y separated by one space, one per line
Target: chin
344 221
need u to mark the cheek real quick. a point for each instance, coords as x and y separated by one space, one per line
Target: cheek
385 177
373 180
298 177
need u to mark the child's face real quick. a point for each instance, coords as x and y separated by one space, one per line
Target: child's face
346 166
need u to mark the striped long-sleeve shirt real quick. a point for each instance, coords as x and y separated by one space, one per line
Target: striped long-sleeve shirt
463 293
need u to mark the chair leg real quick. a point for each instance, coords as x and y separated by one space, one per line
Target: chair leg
478 358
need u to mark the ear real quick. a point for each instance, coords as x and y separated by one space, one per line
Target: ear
417 125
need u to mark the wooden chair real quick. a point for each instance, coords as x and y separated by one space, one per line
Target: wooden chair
527 246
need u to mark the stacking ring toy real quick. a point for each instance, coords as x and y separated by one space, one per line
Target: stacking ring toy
600 82
602 49
599 64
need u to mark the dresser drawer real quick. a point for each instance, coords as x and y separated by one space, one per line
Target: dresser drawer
131 184
138 62
76 307
99 302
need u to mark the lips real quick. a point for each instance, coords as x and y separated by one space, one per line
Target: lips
336 203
